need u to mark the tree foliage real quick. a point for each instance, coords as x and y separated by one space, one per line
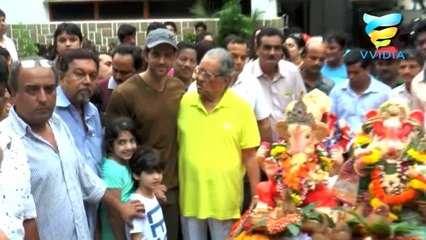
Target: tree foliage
25 44
203 9
233 21
231 18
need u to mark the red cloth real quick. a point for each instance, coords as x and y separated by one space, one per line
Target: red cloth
322 196
103 85
267 191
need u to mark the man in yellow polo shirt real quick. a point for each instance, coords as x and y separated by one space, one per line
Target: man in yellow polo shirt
218 137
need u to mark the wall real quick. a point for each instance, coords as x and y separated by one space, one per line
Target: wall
103 33
25 11
268 7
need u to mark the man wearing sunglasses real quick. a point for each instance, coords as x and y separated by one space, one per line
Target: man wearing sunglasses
17 209
60 179
218 137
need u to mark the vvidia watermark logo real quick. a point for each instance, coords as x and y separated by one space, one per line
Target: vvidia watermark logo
381 30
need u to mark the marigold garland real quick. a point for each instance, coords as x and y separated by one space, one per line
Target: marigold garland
327 163
372 158
276 226
296 198
247 236
417 184
362 139
277 149
406 195
418 156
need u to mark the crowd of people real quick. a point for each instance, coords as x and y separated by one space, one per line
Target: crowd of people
154 141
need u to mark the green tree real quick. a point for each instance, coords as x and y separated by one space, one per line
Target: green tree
25 44
233 21
203 8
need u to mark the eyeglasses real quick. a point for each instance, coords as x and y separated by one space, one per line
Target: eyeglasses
205 75
33 63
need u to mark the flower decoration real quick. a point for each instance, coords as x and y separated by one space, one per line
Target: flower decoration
362 139
277 149
276 226
418 156
371 157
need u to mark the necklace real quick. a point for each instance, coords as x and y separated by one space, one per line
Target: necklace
397 196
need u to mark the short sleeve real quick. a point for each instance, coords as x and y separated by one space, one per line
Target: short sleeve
93 187
418 104
249 133
29 204
300 89
11 48
112 174
138 224
334 102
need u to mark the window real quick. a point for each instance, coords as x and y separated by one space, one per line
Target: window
163 9
65 10
121 10
71 11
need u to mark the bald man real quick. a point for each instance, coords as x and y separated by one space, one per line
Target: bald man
314 59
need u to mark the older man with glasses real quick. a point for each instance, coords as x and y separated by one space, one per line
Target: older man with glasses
218 136
60 180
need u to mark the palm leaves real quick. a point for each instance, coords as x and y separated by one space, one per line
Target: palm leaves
231 18
202 9
233 21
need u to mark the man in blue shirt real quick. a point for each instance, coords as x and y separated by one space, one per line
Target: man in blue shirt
354 97
78 70
336 45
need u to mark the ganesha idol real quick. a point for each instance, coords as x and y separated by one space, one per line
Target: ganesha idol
298 169
389 155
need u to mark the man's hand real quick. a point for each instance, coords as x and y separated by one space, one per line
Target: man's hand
3 235
160 193
130 210
253 202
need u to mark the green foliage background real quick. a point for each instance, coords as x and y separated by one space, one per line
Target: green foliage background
25 44
231 18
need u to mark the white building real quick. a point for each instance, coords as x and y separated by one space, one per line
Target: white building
25 11
44 11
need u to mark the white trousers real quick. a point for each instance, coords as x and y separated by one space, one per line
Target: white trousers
197 229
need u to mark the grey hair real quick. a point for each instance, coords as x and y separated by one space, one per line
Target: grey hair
16 67
225 60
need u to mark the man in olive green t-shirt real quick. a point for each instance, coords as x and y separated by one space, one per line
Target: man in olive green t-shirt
152 99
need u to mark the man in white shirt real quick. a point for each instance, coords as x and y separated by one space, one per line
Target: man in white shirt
408 68
4 40
280 80
247 86
418 84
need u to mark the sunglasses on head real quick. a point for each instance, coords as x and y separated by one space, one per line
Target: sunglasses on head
33 63
296 35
